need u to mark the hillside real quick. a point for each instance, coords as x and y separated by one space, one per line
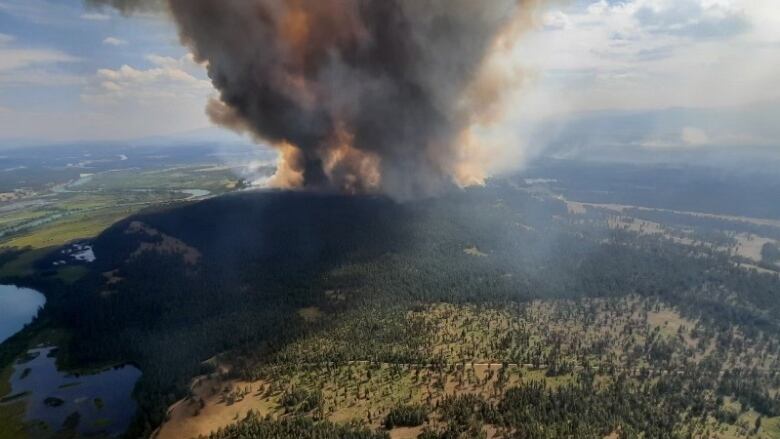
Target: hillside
497 310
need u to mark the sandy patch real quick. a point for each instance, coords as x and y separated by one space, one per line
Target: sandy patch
212 408
112 277
335 296
474 251
750 246
167 245
310 314
670 322
406 432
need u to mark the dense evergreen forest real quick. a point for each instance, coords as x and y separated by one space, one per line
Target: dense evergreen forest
281 283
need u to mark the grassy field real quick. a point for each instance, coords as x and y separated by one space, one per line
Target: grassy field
214 179
745 426
77 227
11 219
11 424
11 415
5 381
71 274
22 265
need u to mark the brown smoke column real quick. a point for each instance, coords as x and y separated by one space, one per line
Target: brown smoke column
358 95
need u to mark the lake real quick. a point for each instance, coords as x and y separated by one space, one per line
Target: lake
18 306
91 404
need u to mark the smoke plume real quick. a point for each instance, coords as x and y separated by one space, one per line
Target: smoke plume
391 96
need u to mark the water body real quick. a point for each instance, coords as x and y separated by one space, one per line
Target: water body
195 193
18 306
103 401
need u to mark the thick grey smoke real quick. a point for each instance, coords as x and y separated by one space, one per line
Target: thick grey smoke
358 95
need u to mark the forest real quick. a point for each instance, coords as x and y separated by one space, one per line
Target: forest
548 319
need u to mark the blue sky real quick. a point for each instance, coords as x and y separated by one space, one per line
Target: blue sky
67 73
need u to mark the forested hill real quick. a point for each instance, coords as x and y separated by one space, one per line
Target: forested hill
174 287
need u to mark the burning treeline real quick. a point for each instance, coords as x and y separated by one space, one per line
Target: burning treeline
395 96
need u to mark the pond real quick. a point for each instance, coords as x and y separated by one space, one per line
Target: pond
18 306
90 404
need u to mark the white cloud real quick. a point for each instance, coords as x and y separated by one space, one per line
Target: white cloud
652 54
167 96
693 18
168 79
95 16
20 66
693 136
14 58
114 41
556 20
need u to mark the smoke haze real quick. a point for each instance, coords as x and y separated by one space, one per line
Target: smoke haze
403 97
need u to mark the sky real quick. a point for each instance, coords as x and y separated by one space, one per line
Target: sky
67 73
656 76
679 73
648 54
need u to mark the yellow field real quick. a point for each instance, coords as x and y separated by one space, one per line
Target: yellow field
77 227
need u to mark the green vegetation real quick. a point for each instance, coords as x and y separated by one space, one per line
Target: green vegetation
770 253
84 209
492 311
393 288
74 227
5 380
633 358
85 193
22 265
406 416
301 428
11 426
301 401
71 274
